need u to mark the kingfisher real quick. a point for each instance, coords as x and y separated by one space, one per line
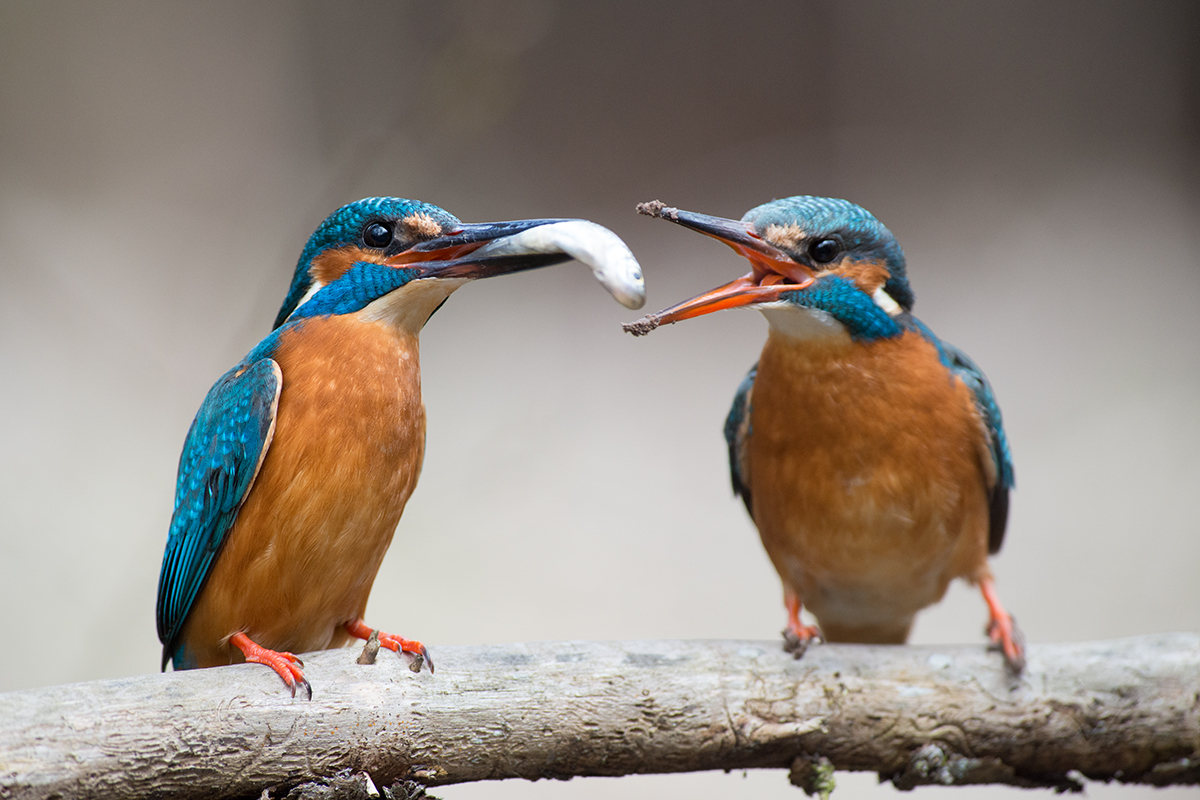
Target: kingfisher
869 453
301 458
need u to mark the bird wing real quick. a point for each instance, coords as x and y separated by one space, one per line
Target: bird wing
999 459
222 454
737 436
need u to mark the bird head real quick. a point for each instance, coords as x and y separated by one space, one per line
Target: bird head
793 245
375 246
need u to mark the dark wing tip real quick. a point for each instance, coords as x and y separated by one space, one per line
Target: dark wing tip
997 517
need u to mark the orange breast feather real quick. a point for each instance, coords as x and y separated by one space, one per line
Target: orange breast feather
307 543
867 483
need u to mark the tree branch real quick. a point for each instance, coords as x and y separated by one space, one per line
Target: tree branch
1126 710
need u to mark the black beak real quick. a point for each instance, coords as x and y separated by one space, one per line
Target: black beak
484 250
456 254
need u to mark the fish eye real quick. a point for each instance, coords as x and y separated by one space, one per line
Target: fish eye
377 235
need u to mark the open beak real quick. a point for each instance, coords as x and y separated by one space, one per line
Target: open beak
483 250
772 273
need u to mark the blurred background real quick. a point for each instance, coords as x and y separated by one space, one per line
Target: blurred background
162 165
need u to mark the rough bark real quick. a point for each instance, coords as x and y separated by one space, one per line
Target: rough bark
1125 710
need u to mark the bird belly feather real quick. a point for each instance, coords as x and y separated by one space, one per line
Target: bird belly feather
306 546
867 487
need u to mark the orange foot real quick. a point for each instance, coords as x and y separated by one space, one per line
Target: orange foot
1002 628
796 636
286 664
418 651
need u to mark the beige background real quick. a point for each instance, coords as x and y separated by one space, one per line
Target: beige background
161 167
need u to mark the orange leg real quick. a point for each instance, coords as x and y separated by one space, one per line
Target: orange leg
418 651
286 664
796 636
1002 629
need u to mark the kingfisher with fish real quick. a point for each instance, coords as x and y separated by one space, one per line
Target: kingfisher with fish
301 458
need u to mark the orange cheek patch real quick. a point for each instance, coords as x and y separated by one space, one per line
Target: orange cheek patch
867 275
332 264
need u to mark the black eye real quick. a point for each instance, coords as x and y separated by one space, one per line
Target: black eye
377 235
825 250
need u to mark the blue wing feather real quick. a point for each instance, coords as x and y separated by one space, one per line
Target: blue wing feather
961 365
985 401
221 456
737 436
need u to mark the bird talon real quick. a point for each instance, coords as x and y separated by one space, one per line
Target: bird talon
1002 629
797 636
1007 638
286 665
418 653
421 658
797 640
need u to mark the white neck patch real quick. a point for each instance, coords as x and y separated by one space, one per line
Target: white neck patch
409 307
886 302
312 290
802 323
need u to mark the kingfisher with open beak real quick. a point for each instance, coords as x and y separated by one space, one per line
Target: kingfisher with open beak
299 463
870 453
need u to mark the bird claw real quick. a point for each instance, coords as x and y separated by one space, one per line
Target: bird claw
797 640
418 652
797 636
1002 629
288 666
1007 638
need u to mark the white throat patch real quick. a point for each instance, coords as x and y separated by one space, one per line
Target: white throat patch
409 307
801 323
